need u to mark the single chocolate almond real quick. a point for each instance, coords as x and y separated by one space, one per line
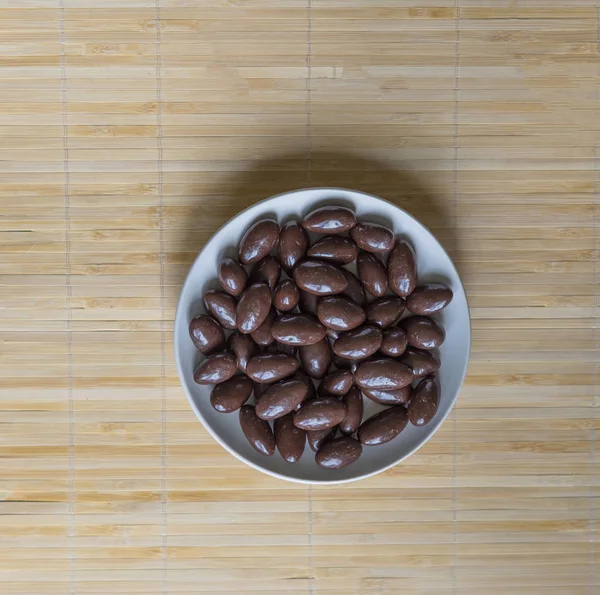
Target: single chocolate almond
340 313
232 277
337 382
257 431
330 220
424 402
232 394
372 273
385 311
428 299
320 413
286 296
423 332
335 249
215 369
206 334
372 237
281 398
222 307
293 243
253 307
359 343
267 368
354 404
297 329
402 269
258 241
383 426
316 358
394 342
339 453
383 374
289 439
319 278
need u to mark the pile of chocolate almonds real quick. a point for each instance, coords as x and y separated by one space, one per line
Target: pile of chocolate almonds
295 315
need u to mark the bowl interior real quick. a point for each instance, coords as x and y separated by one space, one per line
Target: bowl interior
433 265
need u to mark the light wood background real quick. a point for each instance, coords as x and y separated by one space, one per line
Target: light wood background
131 129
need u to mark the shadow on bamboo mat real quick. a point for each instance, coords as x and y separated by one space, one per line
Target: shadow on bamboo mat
337 169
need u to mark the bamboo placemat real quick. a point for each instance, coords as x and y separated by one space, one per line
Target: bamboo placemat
131 129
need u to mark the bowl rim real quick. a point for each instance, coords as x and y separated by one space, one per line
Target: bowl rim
241 457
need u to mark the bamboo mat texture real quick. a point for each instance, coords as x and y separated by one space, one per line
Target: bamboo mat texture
130 130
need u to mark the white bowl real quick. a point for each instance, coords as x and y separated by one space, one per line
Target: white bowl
433 265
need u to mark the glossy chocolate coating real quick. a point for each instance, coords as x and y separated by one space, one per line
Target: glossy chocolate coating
332 334
253 307
394 342
337 382
293 243
258 241
319 278
222 307
320 413
215 369
329 220
323 392
281 398
385 311
355 290
232 277
243 347
428 299
372 273
344 364
372 237
312 393
423 332
339 453
257 431
424 402
206 334
316 358
384 374
232 394
308 302
354 404
392 397
383 426
335 249
359 343
297 329
267 270
422 363
262 335
317 438
267 368
402 269
290 440
259 389
277 347
340 313
286 296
